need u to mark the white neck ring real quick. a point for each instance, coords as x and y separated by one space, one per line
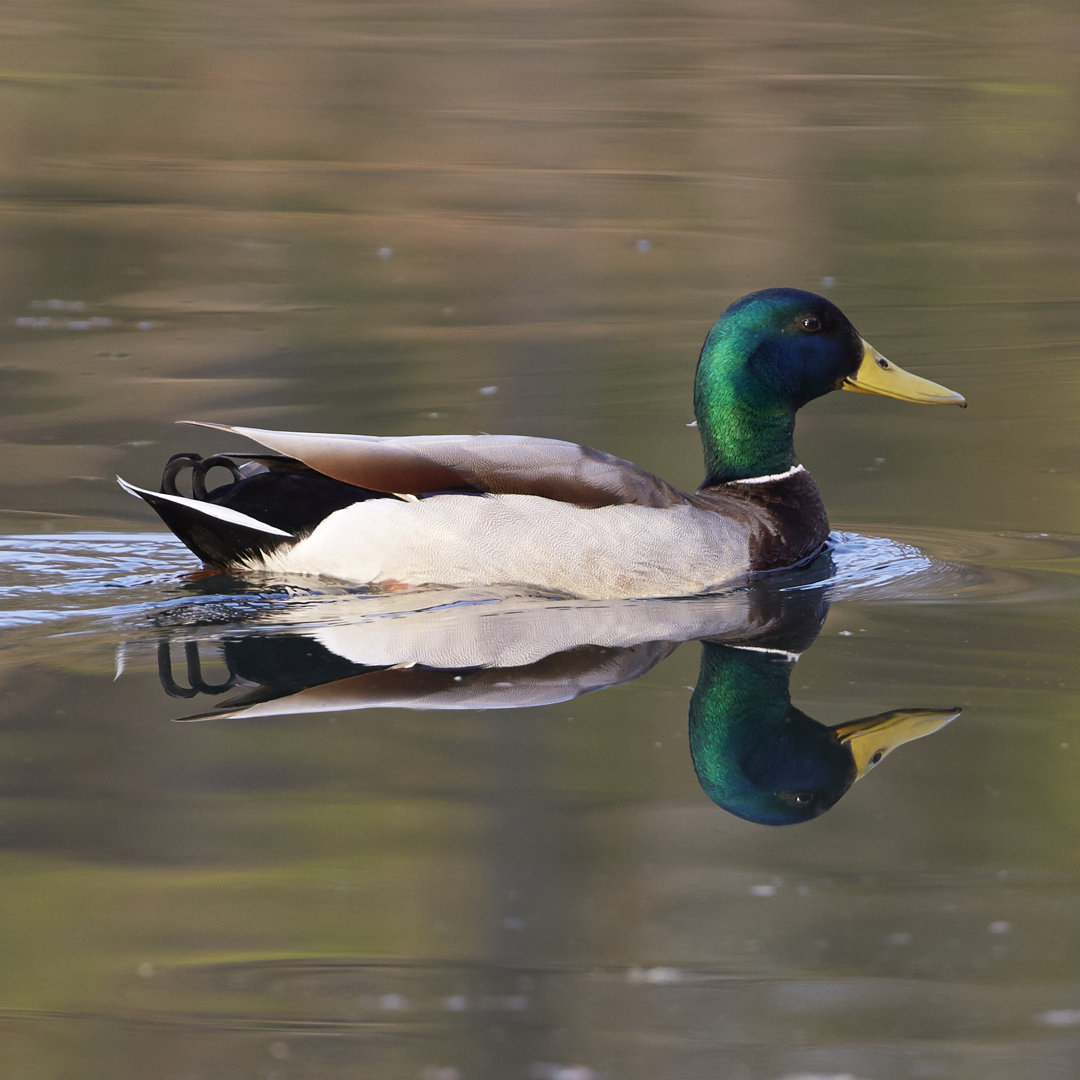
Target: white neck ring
772 477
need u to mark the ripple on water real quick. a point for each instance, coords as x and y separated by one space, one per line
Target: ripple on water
436 997
46 579
148 577
946 565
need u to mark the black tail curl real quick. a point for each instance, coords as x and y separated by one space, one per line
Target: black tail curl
279 491
264 503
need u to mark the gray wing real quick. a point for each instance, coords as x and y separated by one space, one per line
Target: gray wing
497 464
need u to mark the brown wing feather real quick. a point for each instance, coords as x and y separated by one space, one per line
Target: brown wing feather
498 464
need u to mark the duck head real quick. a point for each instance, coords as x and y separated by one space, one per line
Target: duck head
769 354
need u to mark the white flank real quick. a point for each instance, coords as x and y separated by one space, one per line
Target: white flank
611 551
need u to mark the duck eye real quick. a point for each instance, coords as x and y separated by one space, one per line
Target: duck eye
810 323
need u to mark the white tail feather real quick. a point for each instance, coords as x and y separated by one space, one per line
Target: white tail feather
222 513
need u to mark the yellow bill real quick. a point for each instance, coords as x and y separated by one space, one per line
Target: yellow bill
876 375
872 737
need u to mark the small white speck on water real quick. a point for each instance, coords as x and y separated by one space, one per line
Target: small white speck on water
762 890
1059 1017
487 391
547 1070
819 1076
999 926
456 1003
654 976
144 324
145 970
643 246
385 253
828 282
393 1003
845 633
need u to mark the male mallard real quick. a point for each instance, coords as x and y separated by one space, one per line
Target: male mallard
505 509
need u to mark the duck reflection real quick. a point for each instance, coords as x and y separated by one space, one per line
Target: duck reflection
755 754
762 759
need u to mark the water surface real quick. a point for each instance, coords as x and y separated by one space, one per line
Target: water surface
518 219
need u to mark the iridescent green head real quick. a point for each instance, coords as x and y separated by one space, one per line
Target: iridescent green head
768 355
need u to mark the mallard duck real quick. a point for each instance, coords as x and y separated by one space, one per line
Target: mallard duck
463 510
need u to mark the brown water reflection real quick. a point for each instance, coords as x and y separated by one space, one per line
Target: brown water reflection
358 218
